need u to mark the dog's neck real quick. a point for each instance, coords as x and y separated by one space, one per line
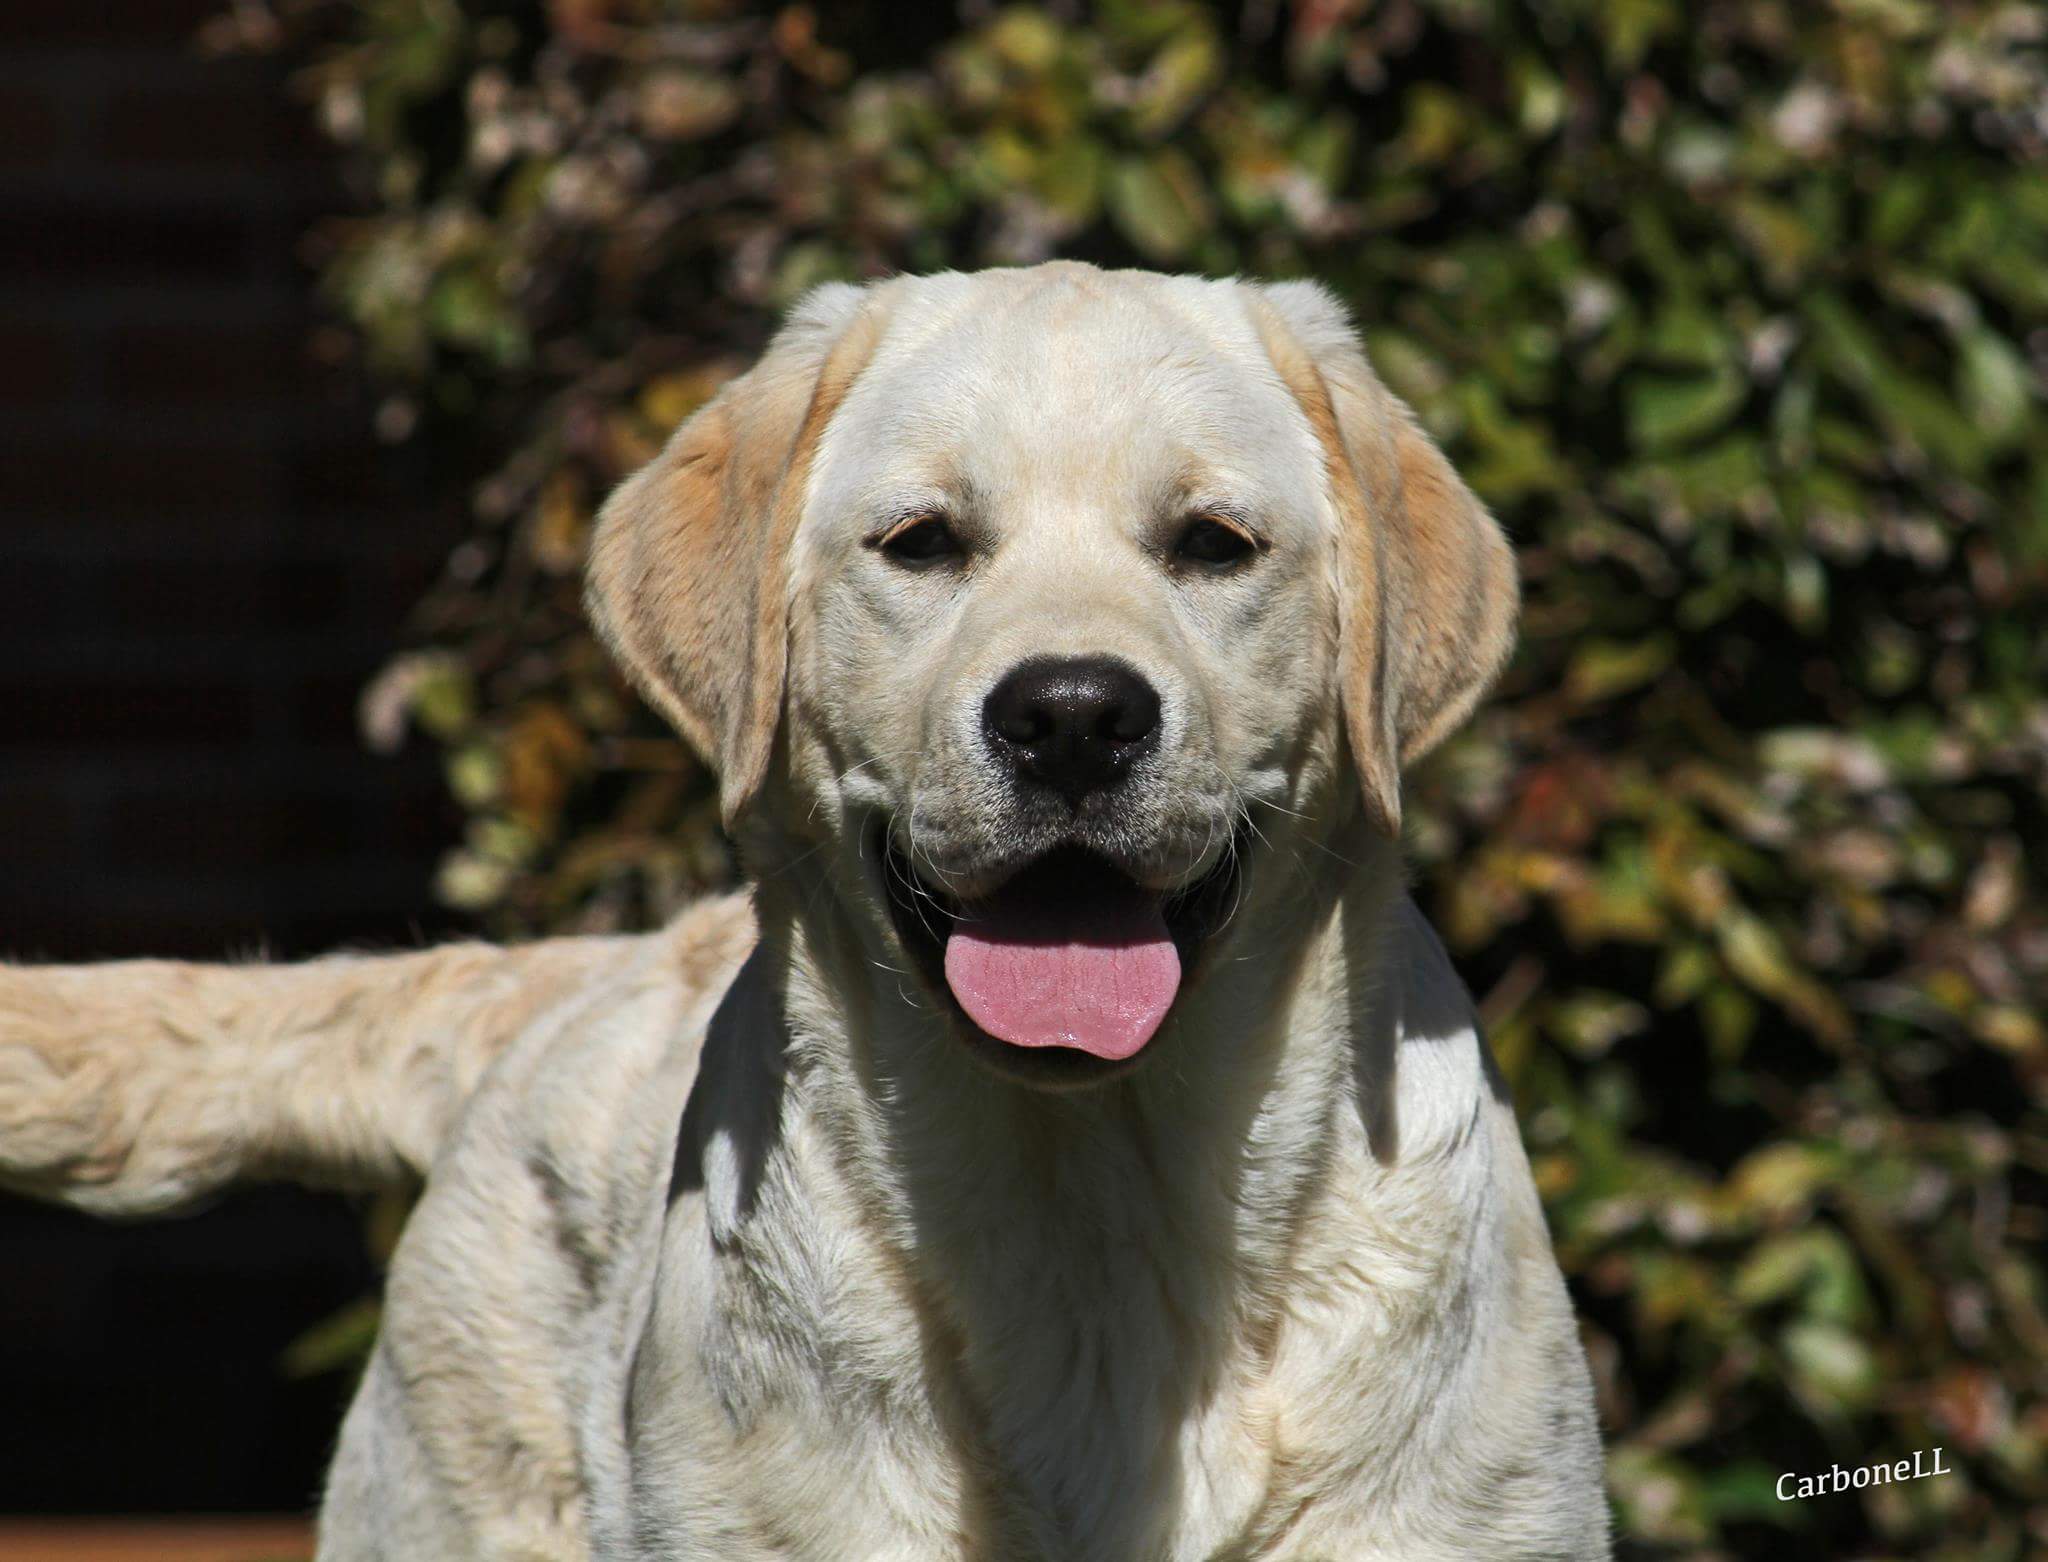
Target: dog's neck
1101 1267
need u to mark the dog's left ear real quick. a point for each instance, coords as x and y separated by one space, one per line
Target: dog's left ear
1426 588
688 576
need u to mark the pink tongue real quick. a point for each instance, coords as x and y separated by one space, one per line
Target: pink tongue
1096 971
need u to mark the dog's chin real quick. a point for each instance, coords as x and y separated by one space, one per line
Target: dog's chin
926 918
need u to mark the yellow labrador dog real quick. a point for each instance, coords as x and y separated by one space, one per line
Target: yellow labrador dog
1079 1147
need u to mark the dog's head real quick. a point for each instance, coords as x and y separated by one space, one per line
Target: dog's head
1030 592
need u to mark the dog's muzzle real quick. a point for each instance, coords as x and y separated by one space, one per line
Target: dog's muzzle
1064 972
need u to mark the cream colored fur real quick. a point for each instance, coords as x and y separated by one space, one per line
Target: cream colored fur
730 1248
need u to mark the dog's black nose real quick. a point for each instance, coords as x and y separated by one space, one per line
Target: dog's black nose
1075 723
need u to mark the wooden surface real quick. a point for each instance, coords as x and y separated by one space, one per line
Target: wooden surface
156 1540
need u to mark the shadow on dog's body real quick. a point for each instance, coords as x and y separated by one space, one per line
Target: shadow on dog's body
739 1248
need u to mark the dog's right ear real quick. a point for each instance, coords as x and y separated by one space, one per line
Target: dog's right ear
687 582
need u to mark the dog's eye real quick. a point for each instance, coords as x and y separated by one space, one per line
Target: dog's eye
1209 541
924 540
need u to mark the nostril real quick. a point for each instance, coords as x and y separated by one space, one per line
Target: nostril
1023 723
1132 718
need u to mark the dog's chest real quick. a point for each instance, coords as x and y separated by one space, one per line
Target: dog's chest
869 1439
802 1400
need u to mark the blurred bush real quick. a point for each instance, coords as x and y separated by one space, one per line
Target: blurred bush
1738 315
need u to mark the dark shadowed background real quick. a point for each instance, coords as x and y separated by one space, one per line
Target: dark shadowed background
204 554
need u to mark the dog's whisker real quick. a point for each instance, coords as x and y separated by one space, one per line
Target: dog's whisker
915 849
874 759
1277 807
920 897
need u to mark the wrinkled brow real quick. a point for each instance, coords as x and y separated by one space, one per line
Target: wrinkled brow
893 496
1199 488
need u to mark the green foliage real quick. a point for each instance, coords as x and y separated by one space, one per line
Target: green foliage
1737 312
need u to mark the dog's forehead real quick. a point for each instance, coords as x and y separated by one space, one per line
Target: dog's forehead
1018 385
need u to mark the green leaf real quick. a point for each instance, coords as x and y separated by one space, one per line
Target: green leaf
1909 407
1832 1367
1025 37
1630 27
1664 412
1729 1015
1601 669
341 1340
1070 180
1748 1490
1997 388
1779 1181
1186 68
1324 151
1154 204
